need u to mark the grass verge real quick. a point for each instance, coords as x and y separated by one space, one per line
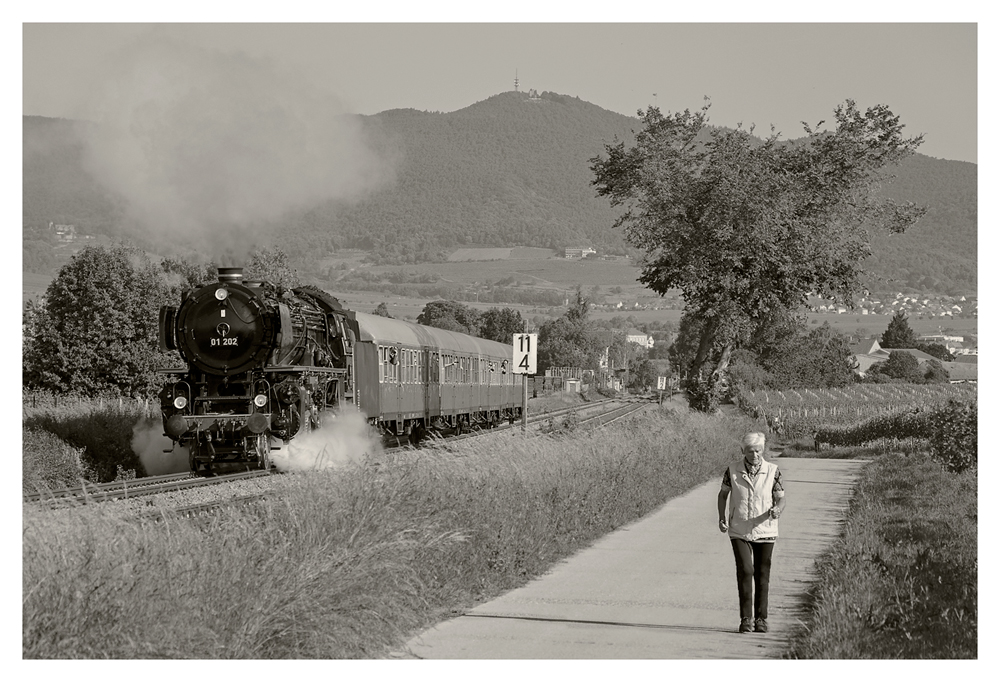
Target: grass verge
350 563
901 582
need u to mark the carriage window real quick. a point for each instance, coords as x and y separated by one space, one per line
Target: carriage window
390 369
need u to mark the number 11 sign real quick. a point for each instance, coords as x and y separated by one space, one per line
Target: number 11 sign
525 353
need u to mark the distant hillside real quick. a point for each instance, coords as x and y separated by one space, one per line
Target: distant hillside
510 171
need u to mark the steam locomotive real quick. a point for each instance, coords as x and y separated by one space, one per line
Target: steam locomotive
265 364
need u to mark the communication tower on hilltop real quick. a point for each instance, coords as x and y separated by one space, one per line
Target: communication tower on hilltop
515 80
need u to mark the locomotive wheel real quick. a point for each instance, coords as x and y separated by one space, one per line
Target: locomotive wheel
263 446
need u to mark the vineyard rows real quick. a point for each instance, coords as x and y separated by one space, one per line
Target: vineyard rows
800 412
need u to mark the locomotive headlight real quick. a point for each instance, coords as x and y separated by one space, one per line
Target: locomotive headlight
180 402
260 400
221 293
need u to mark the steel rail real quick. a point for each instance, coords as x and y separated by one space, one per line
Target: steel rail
187 482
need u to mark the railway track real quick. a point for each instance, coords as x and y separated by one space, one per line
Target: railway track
175 483
203 511
140 487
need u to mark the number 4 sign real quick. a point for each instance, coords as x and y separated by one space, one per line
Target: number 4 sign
525 353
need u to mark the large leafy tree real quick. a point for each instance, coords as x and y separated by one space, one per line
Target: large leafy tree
97 331
937 350
785 354
821 358
745 227
500 324
566 341
271 264
899 367
450 315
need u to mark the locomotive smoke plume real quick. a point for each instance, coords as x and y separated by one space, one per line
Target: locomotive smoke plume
214 148
149 443
342 440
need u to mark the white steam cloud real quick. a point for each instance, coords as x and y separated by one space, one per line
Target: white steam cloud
149 443
202 144
342 440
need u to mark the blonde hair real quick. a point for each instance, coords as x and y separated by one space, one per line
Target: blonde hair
753 438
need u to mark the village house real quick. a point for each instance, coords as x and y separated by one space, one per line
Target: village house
633 335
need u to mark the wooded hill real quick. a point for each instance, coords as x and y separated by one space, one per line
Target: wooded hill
511 170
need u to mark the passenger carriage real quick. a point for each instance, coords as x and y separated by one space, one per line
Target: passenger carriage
411 378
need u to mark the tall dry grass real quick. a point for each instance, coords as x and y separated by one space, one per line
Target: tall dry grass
349 563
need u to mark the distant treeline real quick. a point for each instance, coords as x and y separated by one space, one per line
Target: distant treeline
503 172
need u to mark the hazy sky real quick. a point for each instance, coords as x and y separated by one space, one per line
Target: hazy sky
755 73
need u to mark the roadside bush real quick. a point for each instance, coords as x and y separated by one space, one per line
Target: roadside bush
101 430
915 423
48 462
705 395
951 429
955 437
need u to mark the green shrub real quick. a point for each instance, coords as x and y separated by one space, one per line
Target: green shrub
705 395
48 462
102 430
955 437
916 423
951 429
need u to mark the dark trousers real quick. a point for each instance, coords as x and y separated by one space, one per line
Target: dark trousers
753 571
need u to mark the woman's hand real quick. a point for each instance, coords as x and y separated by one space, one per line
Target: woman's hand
723 526
775 513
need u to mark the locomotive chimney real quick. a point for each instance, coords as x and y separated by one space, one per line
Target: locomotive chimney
231 275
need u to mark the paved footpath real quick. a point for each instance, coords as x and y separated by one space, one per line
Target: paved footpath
661 588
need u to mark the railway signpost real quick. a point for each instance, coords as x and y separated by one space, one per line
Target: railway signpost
525 363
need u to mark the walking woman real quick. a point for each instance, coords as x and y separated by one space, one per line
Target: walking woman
752 487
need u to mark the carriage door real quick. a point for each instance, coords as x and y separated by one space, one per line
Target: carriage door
432 386
391 387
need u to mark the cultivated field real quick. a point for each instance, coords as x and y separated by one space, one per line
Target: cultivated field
801 412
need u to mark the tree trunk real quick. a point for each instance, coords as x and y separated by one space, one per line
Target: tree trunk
723 361
705 345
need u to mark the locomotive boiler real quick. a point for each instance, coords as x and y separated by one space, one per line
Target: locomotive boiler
263 365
